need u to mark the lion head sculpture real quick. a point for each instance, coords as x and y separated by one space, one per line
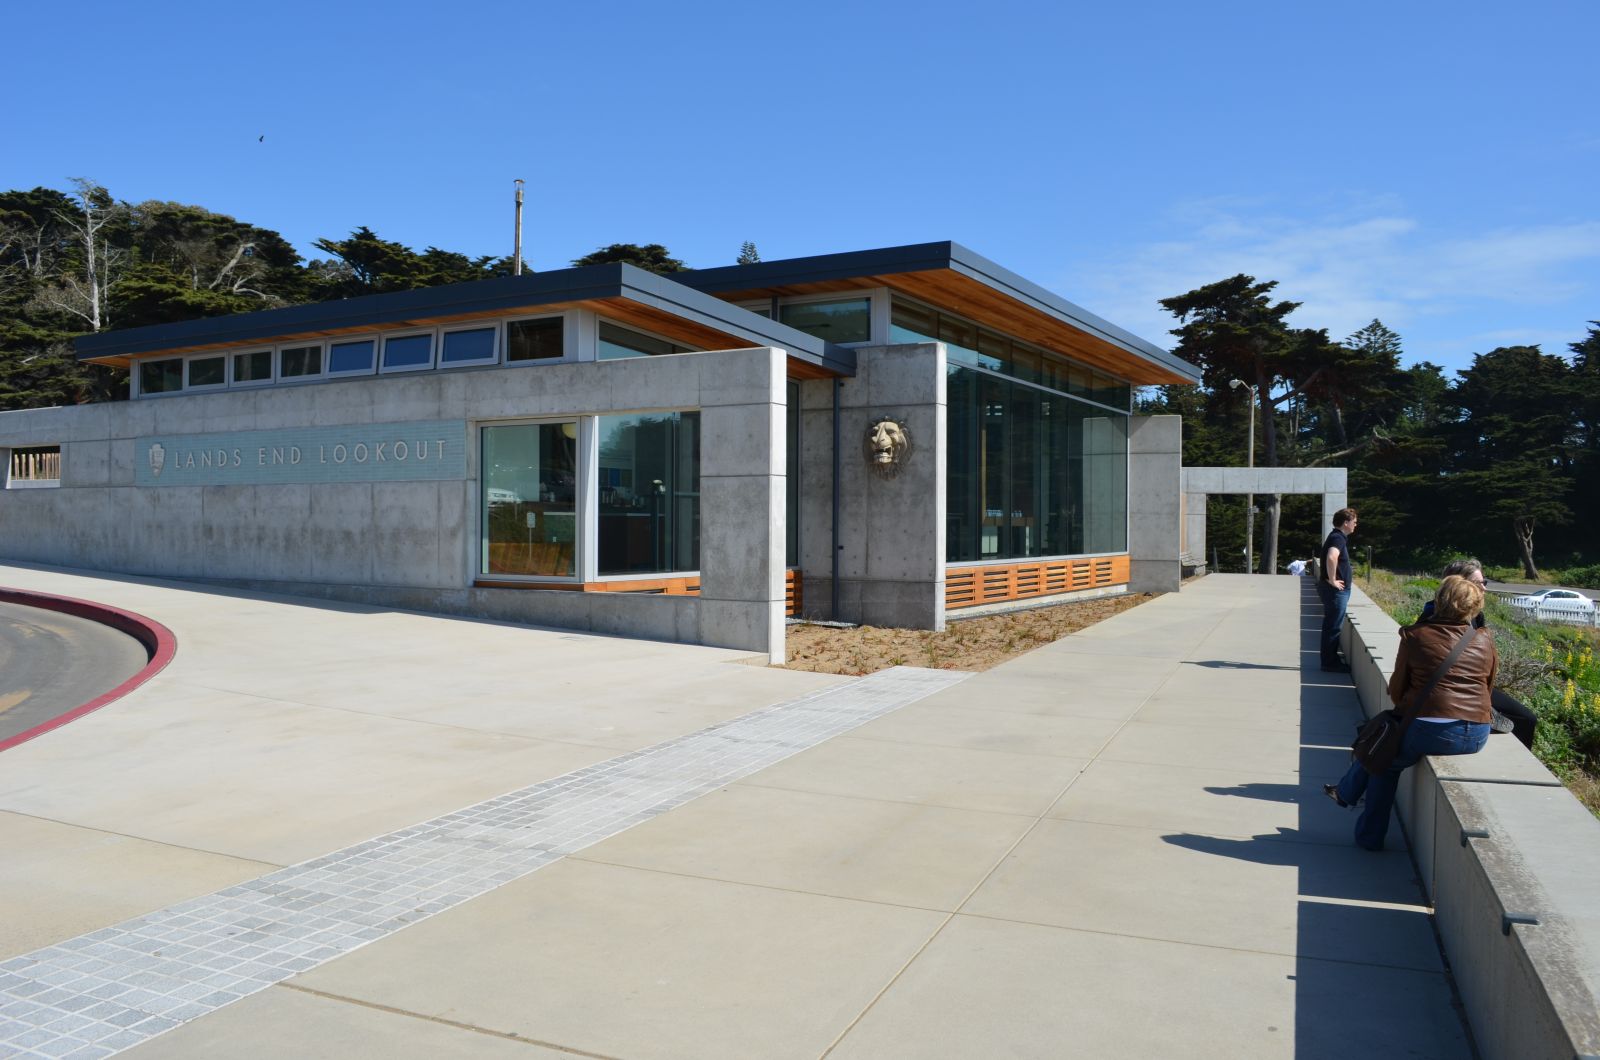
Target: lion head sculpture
887 445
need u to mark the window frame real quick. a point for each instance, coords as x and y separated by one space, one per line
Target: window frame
227 371
351 373
279 379
138 377
601 321
569 336
408 333
495 327
8 483
272 376
582 495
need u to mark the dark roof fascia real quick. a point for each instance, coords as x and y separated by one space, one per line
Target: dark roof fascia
479 296
924 257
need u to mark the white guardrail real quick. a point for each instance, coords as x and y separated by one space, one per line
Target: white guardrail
1550 612
1509 859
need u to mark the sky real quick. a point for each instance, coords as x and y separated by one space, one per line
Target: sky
1429 164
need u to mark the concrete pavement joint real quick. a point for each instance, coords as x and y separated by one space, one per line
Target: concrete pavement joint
471 1028
97 994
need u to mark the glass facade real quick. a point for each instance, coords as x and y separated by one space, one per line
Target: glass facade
837 320
530 478
649 493
615 343
967 343
408 351
1031 473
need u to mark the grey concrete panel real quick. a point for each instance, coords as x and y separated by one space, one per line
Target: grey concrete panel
235 411
1155 434
908 374
904 604
1154 575
404 539
816 395
747 626
338 530
85 464
121 452
742 440
742 377
629 615
1257 480
672 382
741 538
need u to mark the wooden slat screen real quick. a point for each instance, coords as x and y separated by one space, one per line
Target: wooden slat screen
792 597
1002 582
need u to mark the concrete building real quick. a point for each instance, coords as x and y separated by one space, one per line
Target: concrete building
883 436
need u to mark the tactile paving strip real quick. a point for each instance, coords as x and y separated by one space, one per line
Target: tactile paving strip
106 991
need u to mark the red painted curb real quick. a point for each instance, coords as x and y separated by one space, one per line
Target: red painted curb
156 638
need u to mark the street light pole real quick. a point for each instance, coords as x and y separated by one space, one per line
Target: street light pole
1250 498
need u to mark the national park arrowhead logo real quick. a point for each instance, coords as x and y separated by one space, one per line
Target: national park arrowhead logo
158 458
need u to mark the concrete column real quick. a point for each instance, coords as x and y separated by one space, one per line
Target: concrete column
891 529
1155 471
1195 523
1335 494
742 480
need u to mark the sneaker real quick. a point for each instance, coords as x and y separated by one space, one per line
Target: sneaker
1332 792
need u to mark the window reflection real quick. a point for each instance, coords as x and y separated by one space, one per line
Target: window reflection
530 499
840 320
649 493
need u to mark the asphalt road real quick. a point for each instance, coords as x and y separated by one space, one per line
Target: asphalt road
51 663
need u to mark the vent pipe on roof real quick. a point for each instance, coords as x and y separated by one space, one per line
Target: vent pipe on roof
516 254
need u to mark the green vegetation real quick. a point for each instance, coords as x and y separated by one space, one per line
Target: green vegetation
78 263
1552 668
1502 462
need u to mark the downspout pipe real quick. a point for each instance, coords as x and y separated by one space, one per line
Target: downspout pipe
833 585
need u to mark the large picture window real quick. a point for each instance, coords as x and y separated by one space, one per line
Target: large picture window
1031 472
530 478
649 493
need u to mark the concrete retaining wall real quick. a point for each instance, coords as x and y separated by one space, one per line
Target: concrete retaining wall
1497 840
414 543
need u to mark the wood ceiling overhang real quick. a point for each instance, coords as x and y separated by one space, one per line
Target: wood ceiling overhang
951 277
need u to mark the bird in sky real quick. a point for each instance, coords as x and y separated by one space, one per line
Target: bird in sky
261 139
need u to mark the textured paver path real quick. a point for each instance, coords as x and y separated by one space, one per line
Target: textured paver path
1113 846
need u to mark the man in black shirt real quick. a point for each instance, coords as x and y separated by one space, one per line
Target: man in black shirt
1333 586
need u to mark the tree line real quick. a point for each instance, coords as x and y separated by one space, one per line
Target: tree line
82 262
1502 460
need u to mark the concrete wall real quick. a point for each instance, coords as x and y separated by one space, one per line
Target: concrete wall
414 544
1200 482
1495 835
1155 469
892 531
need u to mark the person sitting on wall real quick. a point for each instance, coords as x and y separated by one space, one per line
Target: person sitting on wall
1333 586
1453 721
1523 721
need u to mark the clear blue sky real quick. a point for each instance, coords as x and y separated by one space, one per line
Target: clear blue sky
1432 164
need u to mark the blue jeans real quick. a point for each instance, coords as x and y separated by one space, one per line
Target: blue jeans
1422 738
1334 604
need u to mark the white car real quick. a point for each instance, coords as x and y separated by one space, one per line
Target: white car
1562 600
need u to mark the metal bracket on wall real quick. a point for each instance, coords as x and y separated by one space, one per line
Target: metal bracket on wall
1507 919
1472 833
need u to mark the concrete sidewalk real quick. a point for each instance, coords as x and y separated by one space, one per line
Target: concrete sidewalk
1113 846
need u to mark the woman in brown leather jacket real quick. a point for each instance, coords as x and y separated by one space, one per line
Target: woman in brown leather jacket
1454 720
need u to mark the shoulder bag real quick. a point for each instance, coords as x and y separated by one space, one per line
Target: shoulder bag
1378 741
